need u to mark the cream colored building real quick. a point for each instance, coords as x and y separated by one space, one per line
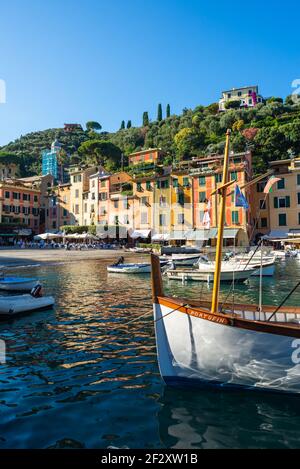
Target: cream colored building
79 195
8 171
247 95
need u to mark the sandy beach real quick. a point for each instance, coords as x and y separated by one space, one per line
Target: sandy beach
29 256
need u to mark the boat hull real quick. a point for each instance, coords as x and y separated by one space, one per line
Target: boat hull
13 305
198 276
17 284
197 350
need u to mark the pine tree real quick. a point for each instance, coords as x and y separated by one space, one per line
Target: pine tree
159 112
145 119
129 125
168 111
122 125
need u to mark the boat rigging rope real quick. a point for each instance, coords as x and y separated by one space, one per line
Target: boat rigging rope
283 301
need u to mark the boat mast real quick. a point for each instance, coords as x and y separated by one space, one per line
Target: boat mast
222 191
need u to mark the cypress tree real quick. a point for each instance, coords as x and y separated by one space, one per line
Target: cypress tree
145 119
129 125
159 112
122 125
168 112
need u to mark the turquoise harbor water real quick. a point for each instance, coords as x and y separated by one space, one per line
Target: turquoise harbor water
80 376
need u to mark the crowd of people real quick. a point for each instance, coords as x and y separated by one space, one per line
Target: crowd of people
67 245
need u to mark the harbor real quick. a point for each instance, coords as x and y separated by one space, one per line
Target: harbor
93 359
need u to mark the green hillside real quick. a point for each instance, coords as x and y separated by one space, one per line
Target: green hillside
271 130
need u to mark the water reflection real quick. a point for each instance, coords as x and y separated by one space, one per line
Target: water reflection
85 375
206 419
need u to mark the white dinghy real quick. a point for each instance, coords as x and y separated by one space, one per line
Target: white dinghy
12 305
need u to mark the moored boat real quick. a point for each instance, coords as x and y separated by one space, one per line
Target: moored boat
17 283
205 273
13 305
228 345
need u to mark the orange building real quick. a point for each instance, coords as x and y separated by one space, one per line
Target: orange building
148 157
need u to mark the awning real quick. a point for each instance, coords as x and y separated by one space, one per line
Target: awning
230 233
161 237
276 234
177 235
140 234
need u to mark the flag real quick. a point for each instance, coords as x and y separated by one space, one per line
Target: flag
240 199
270 183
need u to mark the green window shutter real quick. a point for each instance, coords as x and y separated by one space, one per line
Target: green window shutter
275 202
287 201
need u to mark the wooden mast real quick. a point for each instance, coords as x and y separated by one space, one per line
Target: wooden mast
222 190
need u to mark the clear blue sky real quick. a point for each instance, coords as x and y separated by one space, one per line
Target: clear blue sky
108 60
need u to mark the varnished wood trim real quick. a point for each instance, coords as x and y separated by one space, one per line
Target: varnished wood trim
230 319
156 278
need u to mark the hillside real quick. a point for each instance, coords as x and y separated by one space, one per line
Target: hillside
271 131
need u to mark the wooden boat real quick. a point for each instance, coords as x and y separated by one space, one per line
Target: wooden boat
13 305
17 283
204 272
232 345
268 265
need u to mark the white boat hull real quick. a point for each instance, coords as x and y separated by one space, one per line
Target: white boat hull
199 351
129 269
204 276
12 305
16 284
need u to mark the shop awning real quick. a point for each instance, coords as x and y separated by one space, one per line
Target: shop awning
230 233
140 234
276 234
161 237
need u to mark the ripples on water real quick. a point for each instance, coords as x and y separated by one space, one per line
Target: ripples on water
79 376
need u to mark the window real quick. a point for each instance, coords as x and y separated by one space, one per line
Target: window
76 193
103 183
298 179
126 205
162 219
26 210
116 204
260 186
7 194
282 219
35 211
264 222
26 197
16 195
228 95
180 198
103 196
139 187
262 204
65 213
281 184
202 180
180 218
298 195
93 196
76 209
235 217
17 210
144 218
148 186
175 182
250 101
126 220
282 202
163 184
218 178
202 197
85 208
239 93
233 176
163 201
93 183
35 198
186 182
144 200
54 224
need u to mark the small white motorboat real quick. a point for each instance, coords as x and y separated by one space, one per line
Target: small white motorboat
18 283
132 268
12 305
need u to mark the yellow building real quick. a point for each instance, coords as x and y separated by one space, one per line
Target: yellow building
181 205
79 195
143 192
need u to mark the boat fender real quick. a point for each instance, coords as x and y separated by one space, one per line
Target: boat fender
36 292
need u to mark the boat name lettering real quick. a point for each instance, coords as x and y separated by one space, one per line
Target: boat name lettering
208 317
